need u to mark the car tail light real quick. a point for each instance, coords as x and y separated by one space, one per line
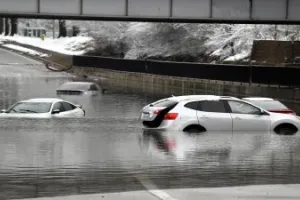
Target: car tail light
171 144
170 116
157 111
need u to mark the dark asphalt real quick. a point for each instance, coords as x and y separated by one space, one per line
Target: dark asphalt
107 150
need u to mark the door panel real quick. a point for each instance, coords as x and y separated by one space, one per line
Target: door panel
76 113
247 117
214 116
250 122
215 121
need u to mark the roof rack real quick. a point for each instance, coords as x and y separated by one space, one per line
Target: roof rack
229 97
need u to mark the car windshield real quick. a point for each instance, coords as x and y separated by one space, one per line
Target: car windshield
76 86
30 107
269 104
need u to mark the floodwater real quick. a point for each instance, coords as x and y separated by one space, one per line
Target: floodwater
108 151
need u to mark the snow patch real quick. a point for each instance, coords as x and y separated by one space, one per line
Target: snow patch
237 57
25 50
68 45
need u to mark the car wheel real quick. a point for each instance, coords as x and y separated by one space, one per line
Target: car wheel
286 130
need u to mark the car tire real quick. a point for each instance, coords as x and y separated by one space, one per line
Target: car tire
286 129
194 131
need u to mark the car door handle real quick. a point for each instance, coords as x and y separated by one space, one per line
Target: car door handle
204 117
238 118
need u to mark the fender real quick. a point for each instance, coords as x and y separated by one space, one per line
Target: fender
284 121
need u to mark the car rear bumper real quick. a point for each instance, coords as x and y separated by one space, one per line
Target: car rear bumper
165 125
155 129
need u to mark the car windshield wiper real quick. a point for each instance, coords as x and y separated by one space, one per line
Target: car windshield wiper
28 111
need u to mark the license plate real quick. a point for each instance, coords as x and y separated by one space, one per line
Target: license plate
145 115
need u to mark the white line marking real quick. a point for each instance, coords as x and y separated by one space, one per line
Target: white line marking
152 188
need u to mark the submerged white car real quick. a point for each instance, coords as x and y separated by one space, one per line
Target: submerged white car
43 108
79 88
200 113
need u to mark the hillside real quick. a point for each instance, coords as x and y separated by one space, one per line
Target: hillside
179 42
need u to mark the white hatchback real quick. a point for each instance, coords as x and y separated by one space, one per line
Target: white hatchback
43 108
200 113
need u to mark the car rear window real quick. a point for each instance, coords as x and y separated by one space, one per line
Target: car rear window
68 106
269 104
164 103
212 106
192 105
93 88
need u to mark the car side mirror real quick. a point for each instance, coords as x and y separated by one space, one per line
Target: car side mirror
56 111
78 106
262 112
3 111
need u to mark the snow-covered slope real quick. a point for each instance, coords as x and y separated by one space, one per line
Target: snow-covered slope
163 41
185 42
69 45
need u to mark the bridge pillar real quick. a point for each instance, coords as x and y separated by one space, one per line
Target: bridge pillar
1 26
62 28
14 26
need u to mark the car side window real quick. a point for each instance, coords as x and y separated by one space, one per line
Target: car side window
213 106
192 105
67 106
59 106
243 108
93 88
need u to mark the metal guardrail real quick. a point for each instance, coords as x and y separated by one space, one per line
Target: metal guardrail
281 76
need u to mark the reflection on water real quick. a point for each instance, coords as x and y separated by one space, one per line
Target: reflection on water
223 158
38 157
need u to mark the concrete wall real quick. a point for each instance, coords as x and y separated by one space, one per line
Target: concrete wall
167 85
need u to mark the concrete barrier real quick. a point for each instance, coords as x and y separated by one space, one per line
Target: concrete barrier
168 85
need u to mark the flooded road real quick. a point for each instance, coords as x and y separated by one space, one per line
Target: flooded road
107 150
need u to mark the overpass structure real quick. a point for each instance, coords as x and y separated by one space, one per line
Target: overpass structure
199 11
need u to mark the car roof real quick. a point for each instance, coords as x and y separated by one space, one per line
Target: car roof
258 99
78 83
199 97
76 86
43 100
